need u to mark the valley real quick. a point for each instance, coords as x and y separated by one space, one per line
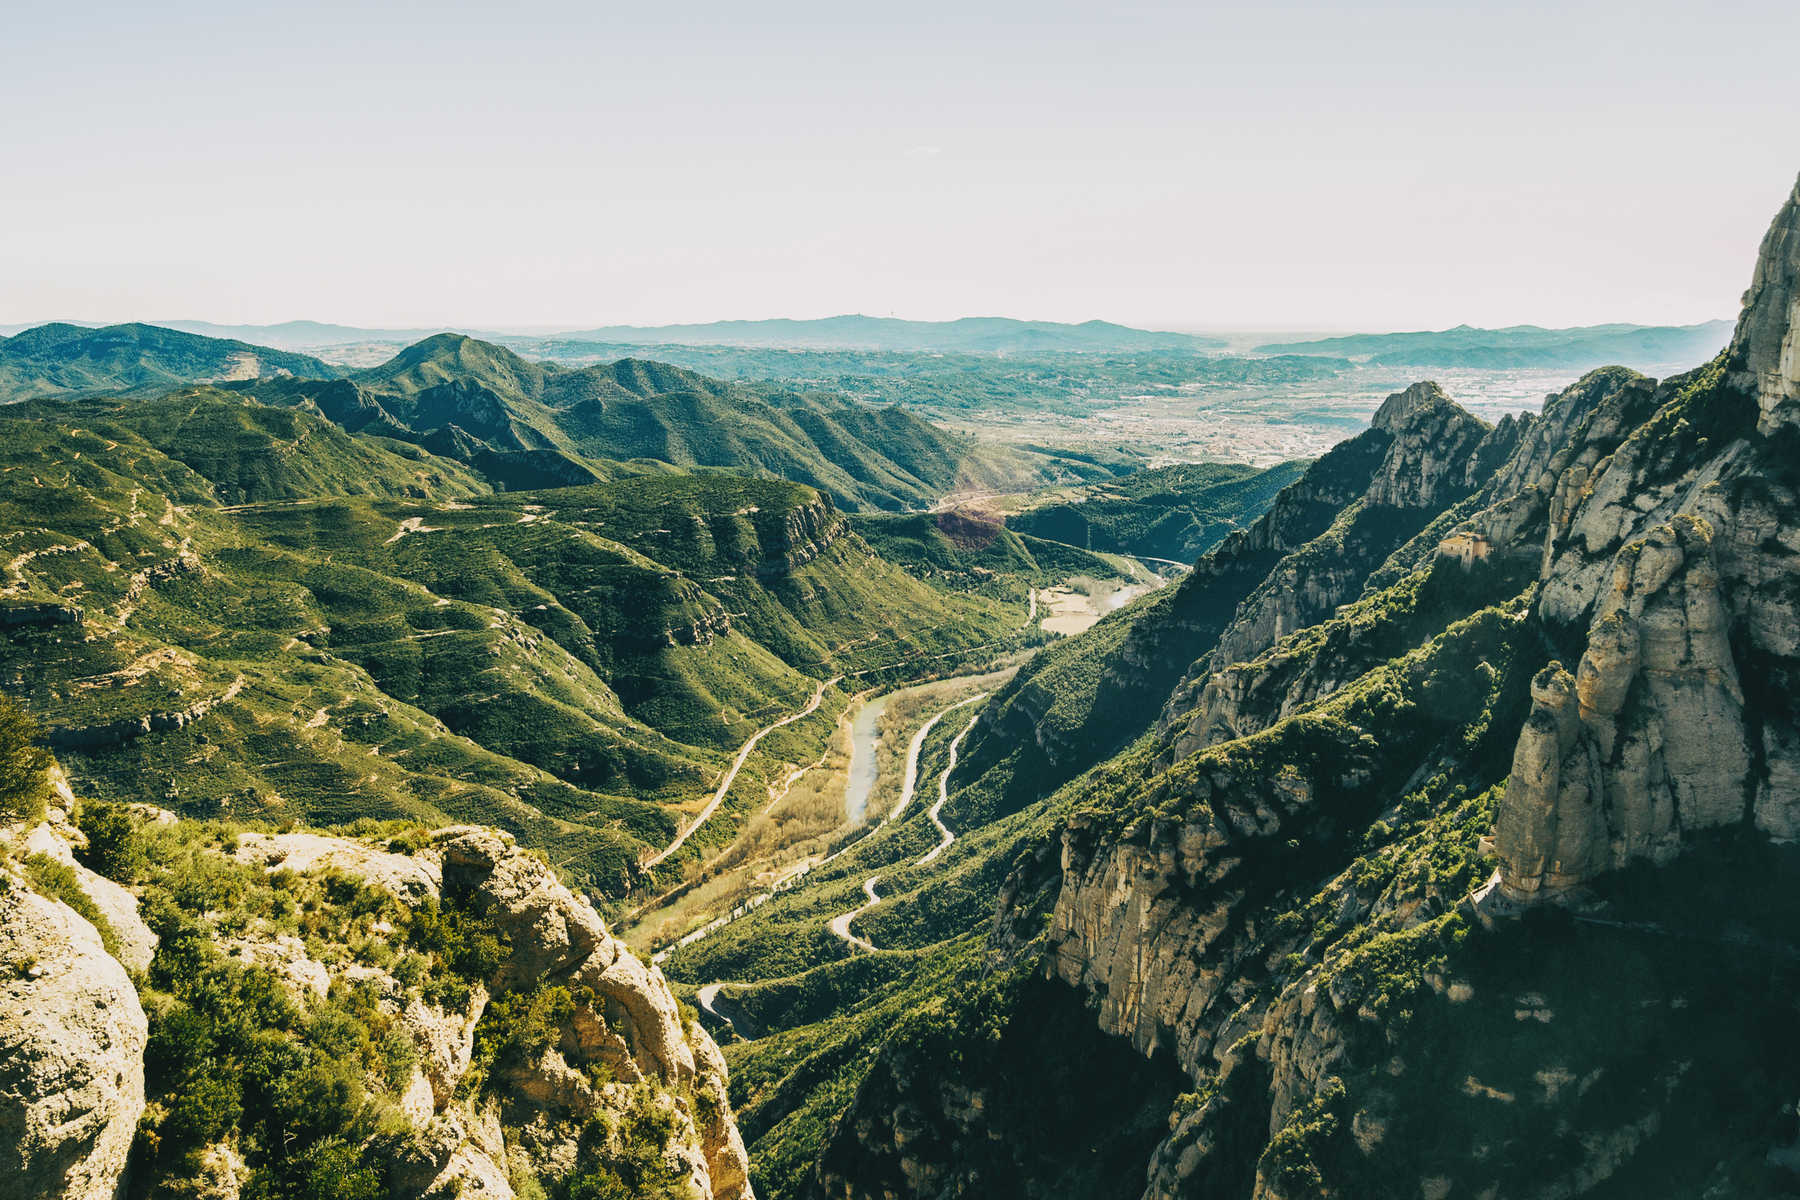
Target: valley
966 602
602 775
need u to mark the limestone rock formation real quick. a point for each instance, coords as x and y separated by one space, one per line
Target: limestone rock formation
1765 353
72 1038
1272 885
625 1021
409 876
1677 550
56 838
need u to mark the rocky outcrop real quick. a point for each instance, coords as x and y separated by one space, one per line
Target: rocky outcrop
411 877
127 729
1675 550
39 615
1765 353
1274 885
56 838
806 531
1433 456
1646 742
1436 454
72 1037
624 1028
1071 720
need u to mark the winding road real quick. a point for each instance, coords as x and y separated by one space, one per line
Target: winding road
944 791
909 784
840 924
737 764
798 873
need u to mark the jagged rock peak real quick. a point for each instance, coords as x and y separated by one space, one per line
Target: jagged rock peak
1765 351
1402 407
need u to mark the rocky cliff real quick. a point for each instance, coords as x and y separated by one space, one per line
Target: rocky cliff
72 1037
1318 883
554 1053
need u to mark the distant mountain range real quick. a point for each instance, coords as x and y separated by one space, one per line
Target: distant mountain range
1577 348
969 335
522 424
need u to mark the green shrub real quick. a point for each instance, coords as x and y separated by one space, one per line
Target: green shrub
115 844
24 767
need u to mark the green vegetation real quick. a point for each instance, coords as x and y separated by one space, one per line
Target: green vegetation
595 654
970 553
525 424
24 766
308 1092
60 359
115 843
58 881
1176 513
304 1092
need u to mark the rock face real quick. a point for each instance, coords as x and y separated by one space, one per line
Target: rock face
55 838
625 1022
1646 741
1678 550
1765 354
407 876
72 1040
1273 886
1068 721
1432 456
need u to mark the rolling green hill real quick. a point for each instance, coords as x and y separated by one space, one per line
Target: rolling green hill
245 611
522 424
54 360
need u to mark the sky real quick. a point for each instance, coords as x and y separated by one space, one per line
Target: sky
1279 165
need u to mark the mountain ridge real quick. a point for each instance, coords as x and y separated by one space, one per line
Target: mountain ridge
1454 863
1578 347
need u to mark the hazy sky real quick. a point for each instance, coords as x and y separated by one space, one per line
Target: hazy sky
1274 165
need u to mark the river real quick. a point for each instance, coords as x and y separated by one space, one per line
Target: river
864 737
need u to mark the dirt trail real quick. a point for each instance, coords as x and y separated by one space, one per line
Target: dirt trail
944 792
731 774
909 785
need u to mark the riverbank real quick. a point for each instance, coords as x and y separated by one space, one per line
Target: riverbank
876 738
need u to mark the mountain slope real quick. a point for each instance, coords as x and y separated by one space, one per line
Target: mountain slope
526 424
1473 880
55 360
1176 513
575 665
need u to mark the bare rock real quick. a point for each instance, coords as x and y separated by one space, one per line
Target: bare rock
72 1038
550 928
1647 740
1766 349
137 944
407 876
